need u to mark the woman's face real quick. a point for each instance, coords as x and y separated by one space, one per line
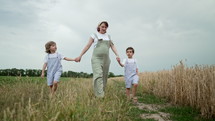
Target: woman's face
102 28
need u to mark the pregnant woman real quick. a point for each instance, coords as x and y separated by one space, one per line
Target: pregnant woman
100 58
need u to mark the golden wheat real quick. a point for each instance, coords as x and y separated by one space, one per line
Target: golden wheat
191 86
74 100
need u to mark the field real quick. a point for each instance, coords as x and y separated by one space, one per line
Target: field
180 94
186 86
28 99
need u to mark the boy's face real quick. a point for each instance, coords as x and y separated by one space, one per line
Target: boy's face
129 53
53 48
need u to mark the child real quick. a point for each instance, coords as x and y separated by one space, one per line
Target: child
53 63
131 73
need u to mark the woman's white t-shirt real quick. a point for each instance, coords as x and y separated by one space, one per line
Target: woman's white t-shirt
130 60
100 36
54 55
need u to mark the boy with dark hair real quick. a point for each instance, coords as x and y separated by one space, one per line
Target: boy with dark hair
131 73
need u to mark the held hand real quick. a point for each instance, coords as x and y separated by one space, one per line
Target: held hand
78 59
118 59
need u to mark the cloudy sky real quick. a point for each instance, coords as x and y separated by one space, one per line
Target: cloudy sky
162 32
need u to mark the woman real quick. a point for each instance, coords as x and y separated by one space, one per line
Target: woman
100 58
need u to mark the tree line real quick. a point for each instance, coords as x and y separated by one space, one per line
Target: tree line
37 72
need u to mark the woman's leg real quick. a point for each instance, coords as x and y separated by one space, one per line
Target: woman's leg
98 78
106 66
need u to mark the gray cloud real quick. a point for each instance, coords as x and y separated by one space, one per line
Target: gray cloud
162 32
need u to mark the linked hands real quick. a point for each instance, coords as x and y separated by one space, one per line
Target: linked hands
118 58
119 61
78 59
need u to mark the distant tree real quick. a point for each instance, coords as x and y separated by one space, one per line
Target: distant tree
111 74
22 72
37 72
64 74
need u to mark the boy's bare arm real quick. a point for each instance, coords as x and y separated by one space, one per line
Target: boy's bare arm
137 71
122 65
43 69
69 59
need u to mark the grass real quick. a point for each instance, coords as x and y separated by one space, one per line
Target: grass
182 113
179 113
27 98
150 99
134 114
4 80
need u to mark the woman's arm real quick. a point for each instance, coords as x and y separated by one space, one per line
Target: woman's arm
90 42
117 55
114 50
43 69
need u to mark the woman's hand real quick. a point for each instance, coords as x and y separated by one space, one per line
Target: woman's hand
118 59
115 51
78 59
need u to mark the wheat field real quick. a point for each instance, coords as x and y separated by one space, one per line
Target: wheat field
74 100
27 98
188 86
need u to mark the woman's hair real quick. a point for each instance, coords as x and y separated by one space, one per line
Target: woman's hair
130 48
103 22
48 45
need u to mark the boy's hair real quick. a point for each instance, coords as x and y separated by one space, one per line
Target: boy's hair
48 45
130 48
103 22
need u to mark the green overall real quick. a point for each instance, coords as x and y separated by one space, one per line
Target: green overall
100 65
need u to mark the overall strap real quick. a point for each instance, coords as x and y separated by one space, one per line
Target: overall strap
109 37
57 55
135 62
126 61
96 36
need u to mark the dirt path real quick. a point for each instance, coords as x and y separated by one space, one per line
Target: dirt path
155 113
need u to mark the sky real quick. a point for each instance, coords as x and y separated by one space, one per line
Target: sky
161 32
